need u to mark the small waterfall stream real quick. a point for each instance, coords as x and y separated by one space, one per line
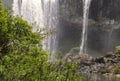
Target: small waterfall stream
83 46
43 13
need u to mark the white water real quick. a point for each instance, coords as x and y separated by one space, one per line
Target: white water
16 7
83 46
51 20
43 13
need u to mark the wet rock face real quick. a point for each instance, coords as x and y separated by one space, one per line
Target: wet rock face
99 8
105 8
70 8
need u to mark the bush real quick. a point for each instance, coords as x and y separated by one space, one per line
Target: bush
117 50
116 69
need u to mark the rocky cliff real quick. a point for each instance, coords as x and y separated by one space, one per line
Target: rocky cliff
99 8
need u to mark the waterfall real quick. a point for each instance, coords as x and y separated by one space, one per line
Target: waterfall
51 21
16 7
83 46
43 13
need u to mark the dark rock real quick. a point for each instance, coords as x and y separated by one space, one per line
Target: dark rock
100 60
88 64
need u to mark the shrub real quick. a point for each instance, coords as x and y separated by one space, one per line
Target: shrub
116 69
117 50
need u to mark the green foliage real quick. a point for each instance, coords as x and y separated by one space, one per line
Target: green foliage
22 57
23 67
3 31
117 50
0 4
24 40
36 68
116 69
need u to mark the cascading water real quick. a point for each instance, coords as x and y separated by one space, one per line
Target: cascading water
51 21
16 7
43 13
83 46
